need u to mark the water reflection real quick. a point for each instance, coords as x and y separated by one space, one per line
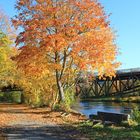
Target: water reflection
91 107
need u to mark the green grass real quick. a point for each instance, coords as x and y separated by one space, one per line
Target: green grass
100 132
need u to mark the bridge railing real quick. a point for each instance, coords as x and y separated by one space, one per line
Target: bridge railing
121 71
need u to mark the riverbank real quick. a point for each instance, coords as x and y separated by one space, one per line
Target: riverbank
132 99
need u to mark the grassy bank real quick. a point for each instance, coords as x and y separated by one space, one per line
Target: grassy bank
100 132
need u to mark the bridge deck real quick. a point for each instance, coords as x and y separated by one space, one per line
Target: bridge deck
125 74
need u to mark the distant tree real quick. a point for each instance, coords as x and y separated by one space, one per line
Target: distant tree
6 26
7 51
7 66
62 37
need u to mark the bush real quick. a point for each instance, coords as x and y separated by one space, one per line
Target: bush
16 96
66 104
13 96
69 98
135 116
35 100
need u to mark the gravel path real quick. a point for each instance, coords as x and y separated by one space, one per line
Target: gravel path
32 125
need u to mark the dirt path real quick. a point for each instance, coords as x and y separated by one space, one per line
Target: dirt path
19 122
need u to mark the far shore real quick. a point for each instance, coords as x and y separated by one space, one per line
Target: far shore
129 99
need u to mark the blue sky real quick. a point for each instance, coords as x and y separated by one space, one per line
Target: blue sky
125 19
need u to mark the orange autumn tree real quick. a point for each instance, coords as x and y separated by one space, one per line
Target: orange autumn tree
61 38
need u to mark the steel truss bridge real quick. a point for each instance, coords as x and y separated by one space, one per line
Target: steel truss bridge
126 81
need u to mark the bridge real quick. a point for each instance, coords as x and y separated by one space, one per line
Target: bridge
126 81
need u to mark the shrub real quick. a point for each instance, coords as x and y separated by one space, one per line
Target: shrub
69 98
12 96
135 116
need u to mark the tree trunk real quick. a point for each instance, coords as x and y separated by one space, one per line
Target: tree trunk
58 80
60 89
61 92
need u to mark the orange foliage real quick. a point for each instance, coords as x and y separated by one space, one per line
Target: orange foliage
62 37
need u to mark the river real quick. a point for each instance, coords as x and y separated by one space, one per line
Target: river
92 107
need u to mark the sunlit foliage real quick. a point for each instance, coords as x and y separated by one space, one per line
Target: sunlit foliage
7 51
62 37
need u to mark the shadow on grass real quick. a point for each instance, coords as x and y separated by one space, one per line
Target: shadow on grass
70 132
110 133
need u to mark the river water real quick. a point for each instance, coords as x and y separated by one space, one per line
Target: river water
92 107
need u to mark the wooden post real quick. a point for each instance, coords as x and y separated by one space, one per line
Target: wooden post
107 87
120 87
96 88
